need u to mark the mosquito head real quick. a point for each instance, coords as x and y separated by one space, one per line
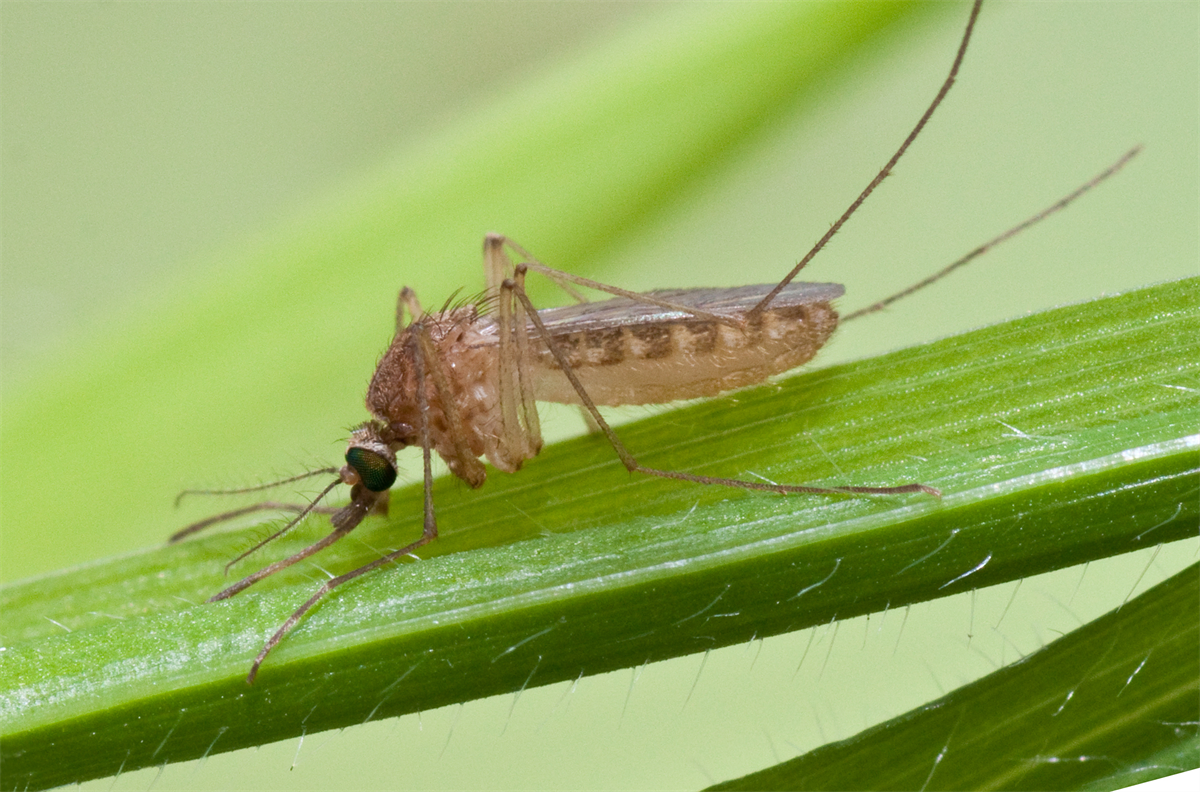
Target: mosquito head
369 460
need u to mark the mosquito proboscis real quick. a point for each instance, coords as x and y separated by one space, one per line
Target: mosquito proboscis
464 381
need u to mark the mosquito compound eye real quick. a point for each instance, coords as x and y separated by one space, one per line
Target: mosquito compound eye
375 470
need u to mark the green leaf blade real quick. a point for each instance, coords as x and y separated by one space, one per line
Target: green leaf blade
1110 704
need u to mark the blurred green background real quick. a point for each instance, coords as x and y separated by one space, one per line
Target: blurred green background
152 152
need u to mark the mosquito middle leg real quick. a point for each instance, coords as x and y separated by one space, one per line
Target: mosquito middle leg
521 427
429 531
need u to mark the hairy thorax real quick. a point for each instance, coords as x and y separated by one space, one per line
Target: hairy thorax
467 352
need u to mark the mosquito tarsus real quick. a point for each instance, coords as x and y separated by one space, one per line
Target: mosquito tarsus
464 381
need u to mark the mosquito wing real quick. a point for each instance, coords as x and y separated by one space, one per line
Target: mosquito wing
732 302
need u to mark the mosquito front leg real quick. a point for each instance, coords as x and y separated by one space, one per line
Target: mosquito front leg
428 533
345 520
634 466
463 463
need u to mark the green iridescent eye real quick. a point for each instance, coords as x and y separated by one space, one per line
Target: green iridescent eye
375 470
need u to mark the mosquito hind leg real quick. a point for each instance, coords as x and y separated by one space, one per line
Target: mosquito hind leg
633 466
499 265
884 172
1058 206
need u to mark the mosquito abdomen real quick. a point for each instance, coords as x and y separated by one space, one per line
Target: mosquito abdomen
683 358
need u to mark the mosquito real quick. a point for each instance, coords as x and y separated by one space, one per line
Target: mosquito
463 382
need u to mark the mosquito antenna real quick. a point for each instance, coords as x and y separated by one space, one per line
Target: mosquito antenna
291 524
883 174
264 506
196 527
986 246
256 488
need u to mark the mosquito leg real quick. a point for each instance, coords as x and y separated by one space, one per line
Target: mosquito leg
562 278
529 411
407 300
508 365
634 466
428 534
464 464
883 174
986 246
497 266
521 426
292 524
344 520
592 426
267 571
